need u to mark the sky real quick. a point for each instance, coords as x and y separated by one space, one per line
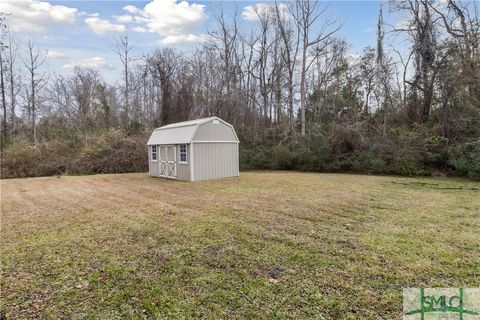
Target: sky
82 32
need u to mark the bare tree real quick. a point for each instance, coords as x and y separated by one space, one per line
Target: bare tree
61 98
289 57
368 71
163 64
84 85
33 62
12 78
123 49
383 71
4 101
262 48
405 63
461 21
225 41
106 100
3 47
306 14
422 31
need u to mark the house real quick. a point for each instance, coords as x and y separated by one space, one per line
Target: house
194 150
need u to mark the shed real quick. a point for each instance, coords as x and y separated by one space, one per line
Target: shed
194 150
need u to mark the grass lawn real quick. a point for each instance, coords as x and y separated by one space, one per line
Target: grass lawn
266 245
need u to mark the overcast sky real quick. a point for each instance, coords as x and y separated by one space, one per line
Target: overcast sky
82 32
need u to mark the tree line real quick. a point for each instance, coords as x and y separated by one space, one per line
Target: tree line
296 95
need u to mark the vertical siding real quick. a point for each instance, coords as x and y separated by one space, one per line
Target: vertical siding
214 132
215 160
153 168
183 170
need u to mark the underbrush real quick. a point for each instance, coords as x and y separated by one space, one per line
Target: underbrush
111 152
406 155
403 153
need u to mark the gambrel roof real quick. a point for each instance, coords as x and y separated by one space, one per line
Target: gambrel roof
181 132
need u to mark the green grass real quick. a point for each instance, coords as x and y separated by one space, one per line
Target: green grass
270 245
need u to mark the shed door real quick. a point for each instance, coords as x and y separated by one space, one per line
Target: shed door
162 163
168 161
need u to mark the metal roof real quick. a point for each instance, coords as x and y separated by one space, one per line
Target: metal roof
173 135
187 123
180 132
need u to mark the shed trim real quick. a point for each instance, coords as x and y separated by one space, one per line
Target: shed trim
214 141
148 152
192 177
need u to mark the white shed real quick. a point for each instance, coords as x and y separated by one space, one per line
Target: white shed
194 150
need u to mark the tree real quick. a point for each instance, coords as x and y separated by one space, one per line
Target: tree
368 71
84 85
262 46
3 47
33 62
462 23
383 70
123 48
306 14
12 79
289 58
423 34
163 65
225 43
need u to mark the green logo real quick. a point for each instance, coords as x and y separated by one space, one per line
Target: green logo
441 303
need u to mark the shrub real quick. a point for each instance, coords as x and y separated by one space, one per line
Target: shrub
403 152
23 160
369 162
313 153
283 158
251 159
112 152
405 165
466 160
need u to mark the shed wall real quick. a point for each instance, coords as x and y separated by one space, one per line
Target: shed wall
215 160
183 170
153 168
214 132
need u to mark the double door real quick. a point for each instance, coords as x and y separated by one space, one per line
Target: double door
168 161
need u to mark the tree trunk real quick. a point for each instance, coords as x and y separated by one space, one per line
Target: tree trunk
33 109
291 116
302 88
127 107
13 100
4 101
